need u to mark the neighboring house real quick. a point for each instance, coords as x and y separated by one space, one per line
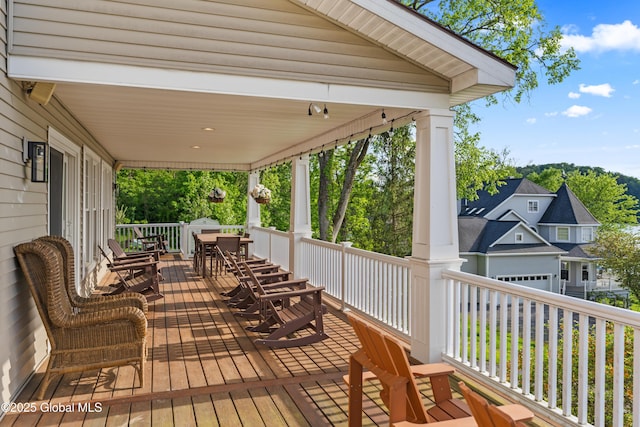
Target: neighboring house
528 235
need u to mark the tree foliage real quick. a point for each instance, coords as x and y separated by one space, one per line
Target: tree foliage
157 196
619 250
602 195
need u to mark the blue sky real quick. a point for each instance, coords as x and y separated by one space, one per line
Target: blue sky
593 117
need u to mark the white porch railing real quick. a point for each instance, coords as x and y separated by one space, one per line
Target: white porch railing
547 350
374 284
272 244
178 234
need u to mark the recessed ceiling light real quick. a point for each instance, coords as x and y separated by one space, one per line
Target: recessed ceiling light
208 129
195 147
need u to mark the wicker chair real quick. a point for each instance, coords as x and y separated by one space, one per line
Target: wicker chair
93 302
79 341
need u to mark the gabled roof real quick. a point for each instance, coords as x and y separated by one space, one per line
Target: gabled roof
580 250
525 249
481 235
566 208
487 202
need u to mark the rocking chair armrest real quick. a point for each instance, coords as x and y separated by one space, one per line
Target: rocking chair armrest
134 265
289 294
290 284
133 255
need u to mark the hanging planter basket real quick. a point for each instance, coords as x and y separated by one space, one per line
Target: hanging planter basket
262 200
216 199
217 195
261 194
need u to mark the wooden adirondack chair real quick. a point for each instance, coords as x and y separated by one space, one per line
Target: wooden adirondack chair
281 323
386 359
83 341
480 409
93 302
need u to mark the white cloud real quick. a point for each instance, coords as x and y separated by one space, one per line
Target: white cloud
604 37
551 114
574 95
577 111
635 82
598 90
532 120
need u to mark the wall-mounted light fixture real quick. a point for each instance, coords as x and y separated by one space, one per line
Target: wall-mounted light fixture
316 108
34 154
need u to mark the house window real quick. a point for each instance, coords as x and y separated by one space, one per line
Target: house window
562 234
519 238
532 206
587 234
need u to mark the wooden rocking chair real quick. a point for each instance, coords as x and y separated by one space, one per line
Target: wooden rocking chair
79 341
387 360
283 322
155 242
93 302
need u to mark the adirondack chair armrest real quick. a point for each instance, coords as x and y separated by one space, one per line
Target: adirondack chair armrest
431 369
458 422
418 371
289 294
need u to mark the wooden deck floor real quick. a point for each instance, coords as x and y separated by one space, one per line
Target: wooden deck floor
203 369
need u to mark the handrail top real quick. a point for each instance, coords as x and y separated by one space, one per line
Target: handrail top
576 305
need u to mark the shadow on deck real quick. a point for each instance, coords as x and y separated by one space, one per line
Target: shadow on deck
204 369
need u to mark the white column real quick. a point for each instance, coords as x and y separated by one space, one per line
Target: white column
300 215
253 208
435 232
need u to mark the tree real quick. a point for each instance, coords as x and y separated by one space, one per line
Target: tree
514 30
356 156
607 200
550 178
619 251
392 212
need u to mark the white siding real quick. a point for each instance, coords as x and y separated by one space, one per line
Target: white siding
257 37
23 216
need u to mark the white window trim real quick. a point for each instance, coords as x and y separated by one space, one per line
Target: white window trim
533 202
587 240
519 237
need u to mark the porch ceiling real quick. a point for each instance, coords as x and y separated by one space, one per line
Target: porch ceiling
249 70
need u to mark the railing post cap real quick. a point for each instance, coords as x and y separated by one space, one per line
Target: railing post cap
346 244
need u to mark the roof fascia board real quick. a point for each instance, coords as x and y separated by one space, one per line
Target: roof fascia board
71 71
502 73
526 228
519 254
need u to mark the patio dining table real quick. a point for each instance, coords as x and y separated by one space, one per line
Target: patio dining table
209 241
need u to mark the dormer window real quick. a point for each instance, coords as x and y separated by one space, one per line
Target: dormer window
562 234
587 234
532 206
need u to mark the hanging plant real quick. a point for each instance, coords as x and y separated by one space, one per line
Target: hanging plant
261 194
217 195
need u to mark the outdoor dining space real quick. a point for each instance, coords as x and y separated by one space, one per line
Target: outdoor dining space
203 368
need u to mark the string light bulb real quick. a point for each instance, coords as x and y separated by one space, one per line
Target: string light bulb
325 111
384 117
